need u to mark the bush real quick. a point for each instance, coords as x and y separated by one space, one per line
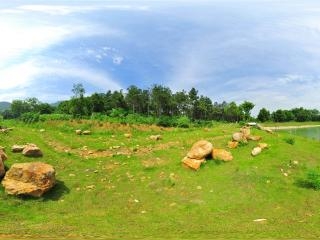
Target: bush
311 180
183 122
166 121
56 116
30 117
290 140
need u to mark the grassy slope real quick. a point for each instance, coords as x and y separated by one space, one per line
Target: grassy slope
149 193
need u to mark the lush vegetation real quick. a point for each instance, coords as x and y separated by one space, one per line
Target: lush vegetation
110 186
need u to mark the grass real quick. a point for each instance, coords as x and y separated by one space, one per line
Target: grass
140 189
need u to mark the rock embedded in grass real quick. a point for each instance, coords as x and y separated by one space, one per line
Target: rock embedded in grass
263 145
32 151
233 144
17 148
238 137
155 137
256 151
222 154
86 132
192 163
78 132
34 179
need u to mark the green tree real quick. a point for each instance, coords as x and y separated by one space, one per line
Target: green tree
246 108
264 115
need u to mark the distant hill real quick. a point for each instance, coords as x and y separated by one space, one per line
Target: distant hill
4 106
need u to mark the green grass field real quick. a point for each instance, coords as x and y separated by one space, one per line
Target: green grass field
110 186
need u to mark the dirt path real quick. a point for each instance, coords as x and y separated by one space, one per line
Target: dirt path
289 127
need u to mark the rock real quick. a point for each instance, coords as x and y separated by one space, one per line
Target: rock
221 154
192 163
32 179
263 145
155 137
200 150
2 169
233 144
78 132
17 148
127 135
42 130
245 132
3 156
238 137
32 151
268 130
86 132
256 151
254 138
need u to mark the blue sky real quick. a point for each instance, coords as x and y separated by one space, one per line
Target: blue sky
267 52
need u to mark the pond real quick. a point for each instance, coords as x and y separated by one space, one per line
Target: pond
313 132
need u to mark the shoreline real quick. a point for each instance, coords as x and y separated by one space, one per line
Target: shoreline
288 127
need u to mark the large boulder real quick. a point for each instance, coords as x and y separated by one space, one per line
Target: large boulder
221 154
17 148
192 163
32 179
200 150
32 151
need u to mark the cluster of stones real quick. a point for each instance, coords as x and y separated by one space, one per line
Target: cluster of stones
201 150
85 132
245 135
33 178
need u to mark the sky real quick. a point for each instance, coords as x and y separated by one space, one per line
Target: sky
263 51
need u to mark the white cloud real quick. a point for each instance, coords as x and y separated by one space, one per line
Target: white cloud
117 60
69 9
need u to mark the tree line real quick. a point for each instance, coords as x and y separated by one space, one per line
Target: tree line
158 101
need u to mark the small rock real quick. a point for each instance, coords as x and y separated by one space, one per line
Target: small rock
295 162
245 132
263 145
42 130
238 137
90 187
192 163
32 151
127 135
155 137
233 144
221 154
254 138
17 148
143 212
72 175
199 187
78 131
256 151
260 220
285 174
136 200
86 132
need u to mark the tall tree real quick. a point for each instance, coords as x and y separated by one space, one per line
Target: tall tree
247 107
264 115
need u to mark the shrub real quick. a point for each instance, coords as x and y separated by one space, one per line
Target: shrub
30 117
183 122
290 140
166 121
311 180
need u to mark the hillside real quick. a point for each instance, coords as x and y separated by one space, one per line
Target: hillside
111 186
4 106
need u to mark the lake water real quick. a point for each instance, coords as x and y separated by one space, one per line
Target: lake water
313 132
